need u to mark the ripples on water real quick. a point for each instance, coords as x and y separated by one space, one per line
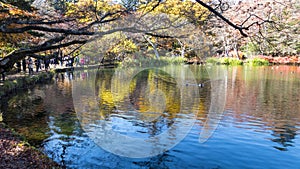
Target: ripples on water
259 128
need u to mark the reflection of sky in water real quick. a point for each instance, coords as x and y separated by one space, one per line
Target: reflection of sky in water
230 147
137 128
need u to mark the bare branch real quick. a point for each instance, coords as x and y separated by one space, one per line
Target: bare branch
223 18
38 22
161 36
45 29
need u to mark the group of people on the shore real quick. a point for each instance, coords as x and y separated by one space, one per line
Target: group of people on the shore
31 63
28 64
44 64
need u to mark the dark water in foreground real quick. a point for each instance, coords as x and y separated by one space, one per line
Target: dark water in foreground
259 127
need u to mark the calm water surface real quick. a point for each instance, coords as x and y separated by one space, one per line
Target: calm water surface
259 127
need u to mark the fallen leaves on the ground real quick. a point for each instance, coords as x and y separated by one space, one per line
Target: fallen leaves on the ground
15 153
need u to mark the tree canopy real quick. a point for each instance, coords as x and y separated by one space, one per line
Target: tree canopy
42 28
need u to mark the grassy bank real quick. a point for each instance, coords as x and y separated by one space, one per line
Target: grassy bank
235 61
23 82
151 61
146 62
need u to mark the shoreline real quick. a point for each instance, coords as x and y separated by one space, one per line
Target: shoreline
23 81
17 153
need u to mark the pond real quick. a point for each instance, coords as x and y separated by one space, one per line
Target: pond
169 117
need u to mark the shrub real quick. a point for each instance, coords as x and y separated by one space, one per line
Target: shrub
151 61
213 60
257 62
230 61
224 61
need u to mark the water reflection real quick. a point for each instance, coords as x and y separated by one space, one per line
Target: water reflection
269 95
259 129
150 109
153 94
284 136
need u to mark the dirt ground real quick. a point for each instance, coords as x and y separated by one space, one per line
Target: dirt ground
15 153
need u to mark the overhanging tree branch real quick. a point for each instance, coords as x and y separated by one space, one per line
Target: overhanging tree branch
239 28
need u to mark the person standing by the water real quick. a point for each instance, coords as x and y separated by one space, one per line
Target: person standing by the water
76 60
24 65
47 63
37 65
82 61
30 66
19 67
71 62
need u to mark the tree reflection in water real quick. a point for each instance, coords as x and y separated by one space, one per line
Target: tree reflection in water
152 93
284 136
270 96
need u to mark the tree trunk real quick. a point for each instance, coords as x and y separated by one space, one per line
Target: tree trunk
182 51
153 46
8 62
